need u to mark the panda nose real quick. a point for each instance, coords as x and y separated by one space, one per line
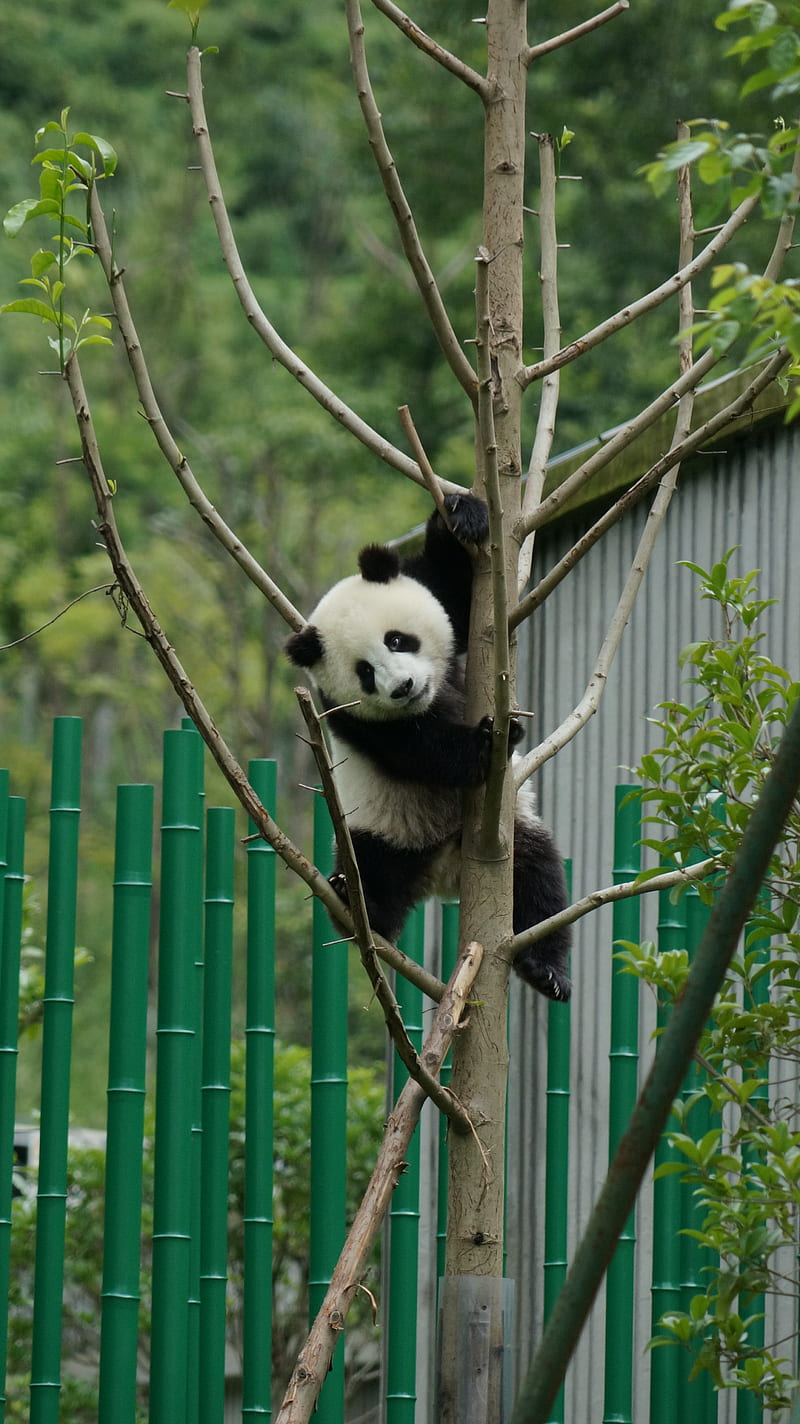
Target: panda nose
402 689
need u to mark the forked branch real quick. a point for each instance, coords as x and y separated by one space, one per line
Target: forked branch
598 680
644 304
275 344
429 46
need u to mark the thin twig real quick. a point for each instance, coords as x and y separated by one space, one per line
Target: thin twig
644 304
164 438
666 880
576 33
403 216
548 406
432 482
314 1359
99 588
282 353
365 939
429 46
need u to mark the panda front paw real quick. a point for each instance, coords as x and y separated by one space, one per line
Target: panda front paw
338 883
467 518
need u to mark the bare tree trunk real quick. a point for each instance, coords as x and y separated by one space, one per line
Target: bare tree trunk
480 1057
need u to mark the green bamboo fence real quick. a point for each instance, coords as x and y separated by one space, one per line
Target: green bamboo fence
12 859
404 1217
130 950
56 1058
259 1078
328 1111
556 1203
623 1090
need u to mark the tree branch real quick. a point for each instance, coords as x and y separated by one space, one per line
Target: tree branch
548 406
665 880
444 1100
404 218
597 683
134 595
644 304
314 1360
282 353
164 438
645 483
431 481
576 33
448 61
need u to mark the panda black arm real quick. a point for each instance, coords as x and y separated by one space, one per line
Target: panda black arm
428 748
425 749
445 564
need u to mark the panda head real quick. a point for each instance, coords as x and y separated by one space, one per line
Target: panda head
380 640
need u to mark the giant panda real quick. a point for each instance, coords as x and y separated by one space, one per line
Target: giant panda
385 650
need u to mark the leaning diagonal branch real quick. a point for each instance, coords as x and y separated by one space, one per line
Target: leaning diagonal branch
163 435
665 880
658 512
314 1360
134 595
283 354
576 33
429 46
644 304
548 406
365 939
403 216
631 497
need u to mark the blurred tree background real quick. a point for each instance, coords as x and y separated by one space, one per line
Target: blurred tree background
318 241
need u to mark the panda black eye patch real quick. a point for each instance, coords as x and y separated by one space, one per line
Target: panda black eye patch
365 673
398 642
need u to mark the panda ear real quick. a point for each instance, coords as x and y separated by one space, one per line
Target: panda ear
378 563
306 647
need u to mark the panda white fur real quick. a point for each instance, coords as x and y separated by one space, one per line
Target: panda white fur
385 651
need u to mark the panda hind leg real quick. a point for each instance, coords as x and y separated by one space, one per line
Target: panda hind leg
540 890
392 879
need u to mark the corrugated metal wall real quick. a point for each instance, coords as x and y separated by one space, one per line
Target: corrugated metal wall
749 496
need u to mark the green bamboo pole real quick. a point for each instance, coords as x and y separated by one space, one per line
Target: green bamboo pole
675 1050
176 1077
697 1396
666 1362
195 910
216 1092
623 1087
748 1405
259 1076
127 1053
58 1005
450 910
401 1370
328 1112
557 1159
12 826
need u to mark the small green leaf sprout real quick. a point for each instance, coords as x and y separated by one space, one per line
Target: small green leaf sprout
66 169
